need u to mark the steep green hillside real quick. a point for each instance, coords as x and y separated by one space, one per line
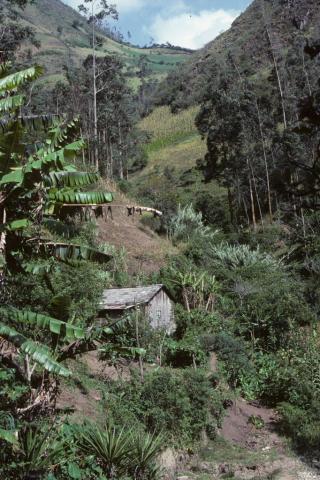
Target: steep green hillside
264 46
64 37
247 43
170 176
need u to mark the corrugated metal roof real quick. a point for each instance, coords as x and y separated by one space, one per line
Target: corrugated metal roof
123 298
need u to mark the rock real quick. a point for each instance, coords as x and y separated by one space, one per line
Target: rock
168 463
224 468
206 467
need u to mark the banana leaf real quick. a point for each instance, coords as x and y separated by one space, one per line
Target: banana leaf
9 436
67 330
37 352
70 179
81 198
69 252
11 103
11 82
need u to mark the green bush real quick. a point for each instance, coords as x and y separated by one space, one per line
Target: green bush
302 425
179 404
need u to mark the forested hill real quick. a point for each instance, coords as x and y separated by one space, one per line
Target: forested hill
257 87
266 26
64 38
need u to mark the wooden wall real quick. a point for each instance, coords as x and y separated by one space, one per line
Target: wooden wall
161 313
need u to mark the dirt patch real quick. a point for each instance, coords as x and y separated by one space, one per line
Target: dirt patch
252 426
78 404
99 369
146 251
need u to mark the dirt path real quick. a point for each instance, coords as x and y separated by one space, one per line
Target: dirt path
252 427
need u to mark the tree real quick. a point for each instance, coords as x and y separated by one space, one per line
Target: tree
12 34
96 13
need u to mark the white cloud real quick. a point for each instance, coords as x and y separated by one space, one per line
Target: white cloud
191 30
128 5
123 6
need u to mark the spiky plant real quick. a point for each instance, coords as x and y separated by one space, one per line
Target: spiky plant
111 448
145 451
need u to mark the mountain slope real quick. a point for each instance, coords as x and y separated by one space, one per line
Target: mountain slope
65 39
247 42
268 32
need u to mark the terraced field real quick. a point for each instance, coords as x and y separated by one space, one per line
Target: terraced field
65 39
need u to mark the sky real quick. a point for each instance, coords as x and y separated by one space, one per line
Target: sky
187 23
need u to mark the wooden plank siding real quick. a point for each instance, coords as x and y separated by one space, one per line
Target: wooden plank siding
160 312
153 300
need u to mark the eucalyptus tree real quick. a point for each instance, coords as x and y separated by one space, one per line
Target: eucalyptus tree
96 13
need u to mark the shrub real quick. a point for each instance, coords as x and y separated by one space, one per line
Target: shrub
188 223
302 425
233 352
179 404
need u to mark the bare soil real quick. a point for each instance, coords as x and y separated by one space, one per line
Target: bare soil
146 251
249 448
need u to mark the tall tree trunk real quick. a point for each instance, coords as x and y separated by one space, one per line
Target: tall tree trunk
94 75
278 79
253 211
305 71
265 164
230 206
111 157
258 198
120 152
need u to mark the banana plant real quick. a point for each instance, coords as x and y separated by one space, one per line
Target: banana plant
37 181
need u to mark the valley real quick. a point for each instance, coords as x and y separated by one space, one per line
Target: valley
193 175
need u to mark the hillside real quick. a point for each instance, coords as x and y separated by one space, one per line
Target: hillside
170 176
247 43
268 33
64 37
145 252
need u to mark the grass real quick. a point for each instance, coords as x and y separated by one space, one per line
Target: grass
180 151
73 45
163 124
221 451
173 150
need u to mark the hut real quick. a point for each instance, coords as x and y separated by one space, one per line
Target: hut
153 300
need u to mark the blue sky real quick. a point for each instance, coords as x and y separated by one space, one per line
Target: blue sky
188 23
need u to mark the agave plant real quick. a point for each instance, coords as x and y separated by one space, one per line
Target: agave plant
237 256
40 450
111 448
188 223
146 448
